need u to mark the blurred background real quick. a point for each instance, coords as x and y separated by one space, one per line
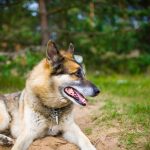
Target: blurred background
113 36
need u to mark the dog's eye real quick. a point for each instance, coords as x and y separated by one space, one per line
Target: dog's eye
78 73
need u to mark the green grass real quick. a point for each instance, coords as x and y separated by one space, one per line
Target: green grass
88 130
128 104
11 84
135 87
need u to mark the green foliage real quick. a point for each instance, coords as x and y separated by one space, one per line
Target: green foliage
143 38
11 83
96 29
121 65
21 65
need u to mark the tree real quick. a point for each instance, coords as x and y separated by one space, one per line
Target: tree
43 21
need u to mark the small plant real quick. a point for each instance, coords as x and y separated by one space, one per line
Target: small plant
88 131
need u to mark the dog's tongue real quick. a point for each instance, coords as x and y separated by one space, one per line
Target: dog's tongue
76 95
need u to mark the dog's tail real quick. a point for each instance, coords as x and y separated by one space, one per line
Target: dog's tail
5 140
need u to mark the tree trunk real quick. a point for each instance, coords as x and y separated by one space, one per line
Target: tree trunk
92 14
43 21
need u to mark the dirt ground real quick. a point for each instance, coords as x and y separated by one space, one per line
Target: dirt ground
103 139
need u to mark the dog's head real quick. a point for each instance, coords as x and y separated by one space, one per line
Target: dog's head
60 78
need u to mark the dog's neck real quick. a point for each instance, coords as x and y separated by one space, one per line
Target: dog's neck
57 113
53 113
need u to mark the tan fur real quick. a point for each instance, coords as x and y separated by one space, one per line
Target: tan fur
69 63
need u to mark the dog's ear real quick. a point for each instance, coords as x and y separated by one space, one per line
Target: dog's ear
71 48
52 53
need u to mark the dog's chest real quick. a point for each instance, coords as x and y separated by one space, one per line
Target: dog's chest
55 116
54 130
54 123
57 123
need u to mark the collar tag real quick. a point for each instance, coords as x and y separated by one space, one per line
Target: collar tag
56 117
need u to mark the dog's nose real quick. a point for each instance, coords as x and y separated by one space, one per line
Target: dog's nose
96 91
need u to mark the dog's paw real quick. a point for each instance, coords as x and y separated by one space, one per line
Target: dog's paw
5 140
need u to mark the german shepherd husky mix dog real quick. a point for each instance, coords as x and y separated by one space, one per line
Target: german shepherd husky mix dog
45 105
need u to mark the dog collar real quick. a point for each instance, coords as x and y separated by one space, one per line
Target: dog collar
56 113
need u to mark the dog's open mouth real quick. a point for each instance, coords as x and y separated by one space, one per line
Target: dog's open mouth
76 95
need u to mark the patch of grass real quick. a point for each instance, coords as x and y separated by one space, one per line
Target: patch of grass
11 84
88 131
128 105
134 87
147 146
109 112
140 114
130 139
140 108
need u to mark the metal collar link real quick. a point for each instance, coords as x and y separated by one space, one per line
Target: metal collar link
55 114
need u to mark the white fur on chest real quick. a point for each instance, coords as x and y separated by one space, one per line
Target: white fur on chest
54 130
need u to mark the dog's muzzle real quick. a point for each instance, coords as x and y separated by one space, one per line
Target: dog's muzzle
86 88
78 91
96 91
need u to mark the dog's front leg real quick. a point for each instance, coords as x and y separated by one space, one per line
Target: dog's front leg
73 134
23 141
33 126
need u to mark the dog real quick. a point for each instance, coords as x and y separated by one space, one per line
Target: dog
44 107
